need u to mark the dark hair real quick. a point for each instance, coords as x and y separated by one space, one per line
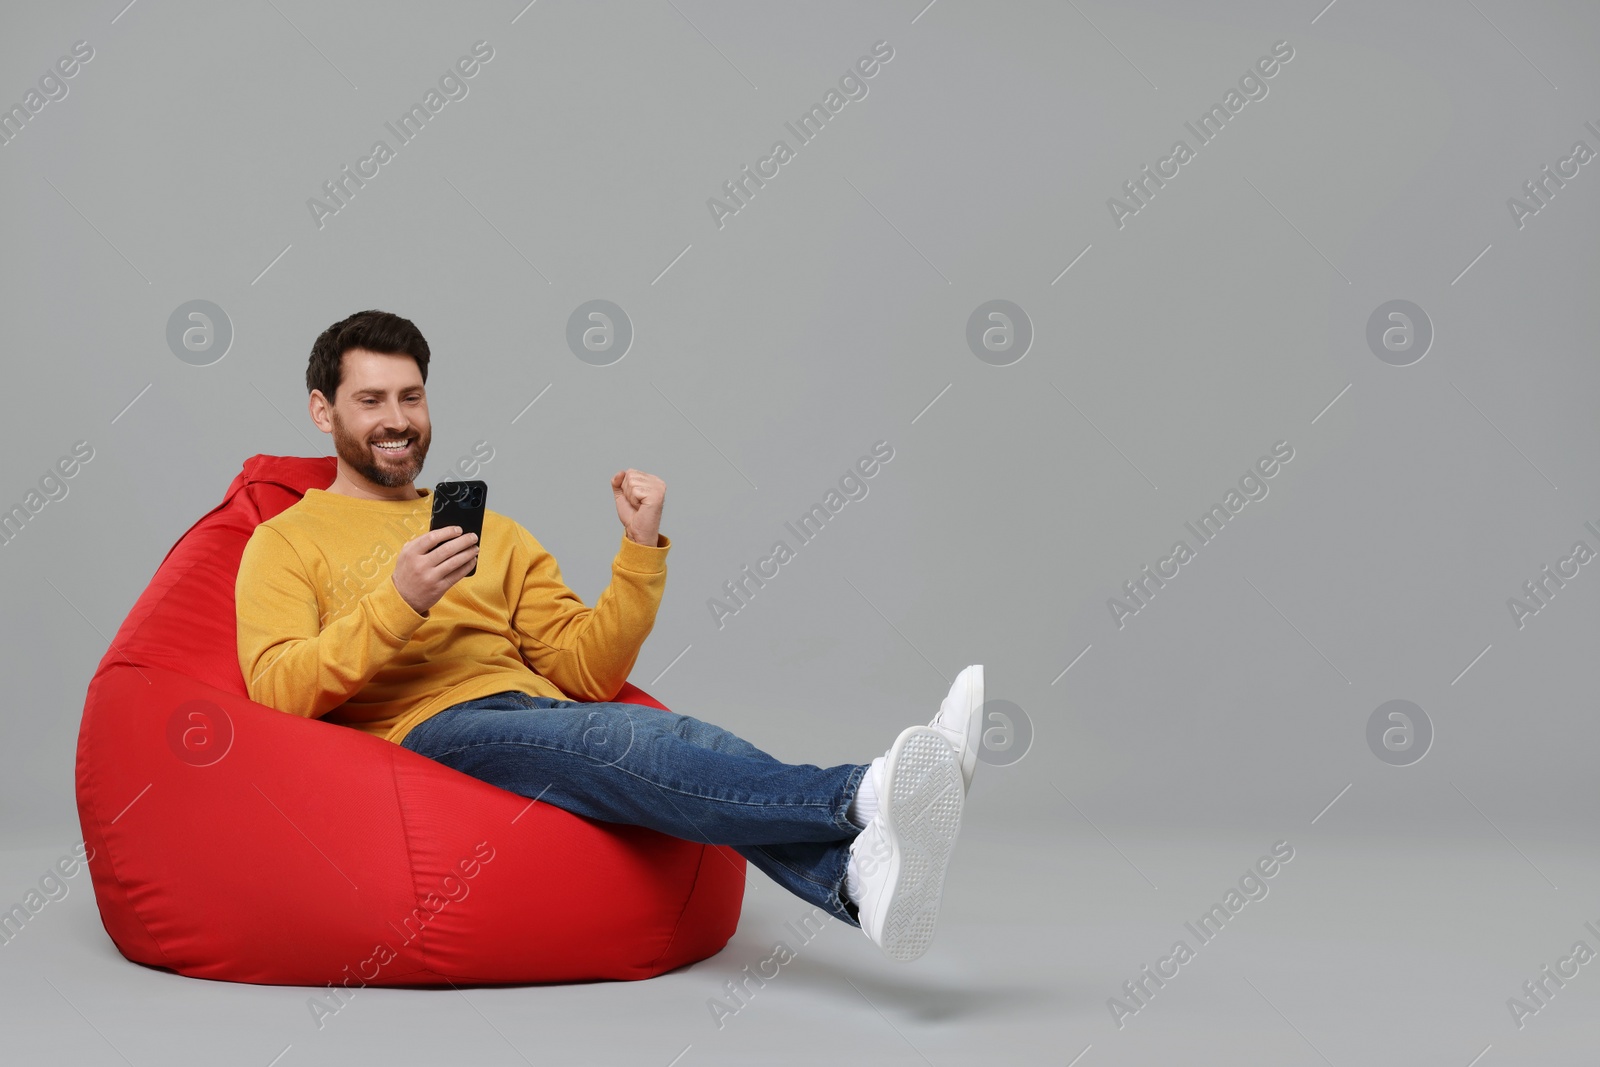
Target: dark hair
375 331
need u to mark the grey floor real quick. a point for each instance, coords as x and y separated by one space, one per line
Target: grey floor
1364 950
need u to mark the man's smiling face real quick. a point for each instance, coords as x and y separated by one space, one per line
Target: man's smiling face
380 400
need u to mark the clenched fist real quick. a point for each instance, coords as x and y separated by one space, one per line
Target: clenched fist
639 498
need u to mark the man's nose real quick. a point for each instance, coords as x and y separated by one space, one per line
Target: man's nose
394 418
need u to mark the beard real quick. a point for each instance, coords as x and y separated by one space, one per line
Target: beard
373 464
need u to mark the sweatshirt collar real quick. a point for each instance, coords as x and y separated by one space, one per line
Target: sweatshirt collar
323 498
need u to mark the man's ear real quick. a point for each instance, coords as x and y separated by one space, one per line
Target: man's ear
317 405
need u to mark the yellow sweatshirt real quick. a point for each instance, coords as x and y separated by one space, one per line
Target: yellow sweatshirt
324 633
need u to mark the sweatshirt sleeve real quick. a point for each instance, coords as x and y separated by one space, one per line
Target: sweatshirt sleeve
289 661
588 652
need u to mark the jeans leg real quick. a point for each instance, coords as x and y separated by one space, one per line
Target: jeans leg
813 871
629 763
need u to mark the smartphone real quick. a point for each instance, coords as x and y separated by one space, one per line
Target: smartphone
460 504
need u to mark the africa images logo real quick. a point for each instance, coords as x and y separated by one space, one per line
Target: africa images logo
452 84
1252 86
1252 486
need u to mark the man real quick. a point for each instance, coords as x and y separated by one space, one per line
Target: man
351 610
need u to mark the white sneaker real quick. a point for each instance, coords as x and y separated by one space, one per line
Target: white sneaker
960 719
899 859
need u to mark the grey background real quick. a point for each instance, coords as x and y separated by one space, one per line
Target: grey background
770 354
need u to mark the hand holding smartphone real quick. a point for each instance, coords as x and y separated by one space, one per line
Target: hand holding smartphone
436 560
461 504
430 563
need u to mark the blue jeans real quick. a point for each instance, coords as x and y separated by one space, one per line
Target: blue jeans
630 763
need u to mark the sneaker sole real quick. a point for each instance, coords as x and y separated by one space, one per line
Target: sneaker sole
922 817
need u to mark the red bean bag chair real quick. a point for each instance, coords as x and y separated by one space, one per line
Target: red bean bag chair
230 840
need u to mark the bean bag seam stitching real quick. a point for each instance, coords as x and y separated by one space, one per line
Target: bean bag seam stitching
684 910
133 636
133 907
411 864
